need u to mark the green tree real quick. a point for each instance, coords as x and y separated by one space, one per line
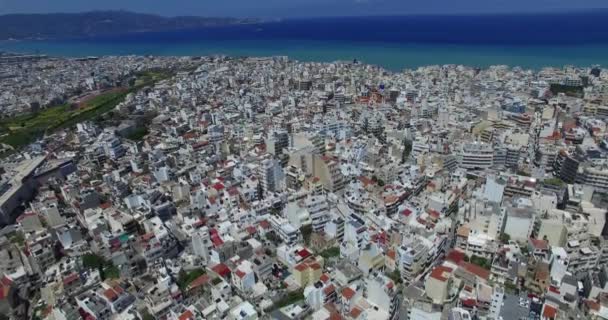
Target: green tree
396 276
291 298
481 261
184 279
146 315
306 231
330 252
407 149
504 238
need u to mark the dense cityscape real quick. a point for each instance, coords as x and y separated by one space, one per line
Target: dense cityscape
184 188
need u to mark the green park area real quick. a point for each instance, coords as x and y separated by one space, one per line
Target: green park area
21 130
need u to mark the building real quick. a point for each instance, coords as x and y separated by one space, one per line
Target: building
243 277
18 185
497 303
201 243
327 169
476 156
595 177
382 293
270 174
438 284
318 209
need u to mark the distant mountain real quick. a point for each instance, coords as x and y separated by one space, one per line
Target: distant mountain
99 23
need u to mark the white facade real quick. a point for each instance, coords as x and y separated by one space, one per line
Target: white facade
201 243
476 155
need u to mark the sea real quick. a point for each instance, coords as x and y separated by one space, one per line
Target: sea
530 41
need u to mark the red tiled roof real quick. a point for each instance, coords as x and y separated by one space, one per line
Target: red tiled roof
217 241
439 273
391 254
187 315
549 312
315 266
233 191
189 135
265 224
329 289
4 290
434 214
455 256
301 267
200 281
406 212
304 253
218 186
251 230
110 294
355 313
221 269
147 236
105 205
239 273
324 277
475 269
469 303
539 244
366 181
390 285
592 305
71 278
6 281
348 293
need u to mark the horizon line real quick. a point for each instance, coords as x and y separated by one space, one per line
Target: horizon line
430 14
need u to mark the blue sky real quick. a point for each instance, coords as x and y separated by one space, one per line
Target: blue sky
298 8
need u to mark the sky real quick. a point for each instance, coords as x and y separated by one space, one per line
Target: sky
299 8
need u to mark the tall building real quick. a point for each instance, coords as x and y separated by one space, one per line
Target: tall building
327 169
270 174
566 166
595 177
277 141
476 155
496 304
113 148
318 208
201 243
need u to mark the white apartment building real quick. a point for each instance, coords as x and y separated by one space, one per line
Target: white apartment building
476 155
318 209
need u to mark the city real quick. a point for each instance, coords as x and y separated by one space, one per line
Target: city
218 187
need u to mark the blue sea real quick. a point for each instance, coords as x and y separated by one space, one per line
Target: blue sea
526 40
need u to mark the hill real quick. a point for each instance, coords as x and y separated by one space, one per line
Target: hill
99 23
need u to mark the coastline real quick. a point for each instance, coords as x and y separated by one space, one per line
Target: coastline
394 57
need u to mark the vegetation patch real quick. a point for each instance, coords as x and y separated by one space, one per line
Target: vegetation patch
330 252
22 130
107 270
184 279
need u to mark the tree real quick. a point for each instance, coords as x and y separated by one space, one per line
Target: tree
107 270
260 191
504 238
185 278
407 149
481 261
396 276
330 252
272 236
147 316
306 231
